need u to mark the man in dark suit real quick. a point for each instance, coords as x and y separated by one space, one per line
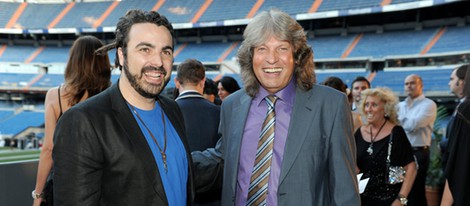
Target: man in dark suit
127 145
201 117
456 85
285 140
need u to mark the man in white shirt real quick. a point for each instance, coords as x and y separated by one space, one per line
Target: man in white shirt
417 115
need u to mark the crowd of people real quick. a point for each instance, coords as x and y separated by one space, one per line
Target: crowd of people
282 139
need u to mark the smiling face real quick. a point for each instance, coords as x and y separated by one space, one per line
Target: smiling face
147 65
273 64
374 109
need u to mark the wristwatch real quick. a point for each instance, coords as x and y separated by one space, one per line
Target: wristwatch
402 199
37 195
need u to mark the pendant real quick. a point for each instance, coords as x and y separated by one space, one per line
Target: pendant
370 150
164 161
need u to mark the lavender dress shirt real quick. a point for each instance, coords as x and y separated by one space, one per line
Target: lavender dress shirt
251 132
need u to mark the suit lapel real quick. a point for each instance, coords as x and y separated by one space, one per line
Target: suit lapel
173 114
238 115
177 123
140 147
302 117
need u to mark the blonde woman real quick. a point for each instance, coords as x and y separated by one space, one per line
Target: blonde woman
372 143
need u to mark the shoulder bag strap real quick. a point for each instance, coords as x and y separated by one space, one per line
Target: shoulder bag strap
389 149
60 104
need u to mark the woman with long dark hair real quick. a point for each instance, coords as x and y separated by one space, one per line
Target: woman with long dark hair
226 86
86 74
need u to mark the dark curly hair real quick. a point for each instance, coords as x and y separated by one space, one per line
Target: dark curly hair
134 16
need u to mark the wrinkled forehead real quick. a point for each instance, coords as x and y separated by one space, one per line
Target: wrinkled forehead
413 80
267 35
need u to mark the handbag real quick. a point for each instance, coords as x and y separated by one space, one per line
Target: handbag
48 198
395 174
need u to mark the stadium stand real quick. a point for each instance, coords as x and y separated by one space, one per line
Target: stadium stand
454 39
50 54
349 37
7 11
402 1
47 12
122 8
300 6
94 14
181 11
391 43
435 79
348 4
83 14
232 55
48 80
5 114
328 47
325 47
11 53
346 75
53 54
9 80
19 122
204 52
236 10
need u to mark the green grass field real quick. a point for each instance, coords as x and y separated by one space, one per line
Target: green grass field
8 154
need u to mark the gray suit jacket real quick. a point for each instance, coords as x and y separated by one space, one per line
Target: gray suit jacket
101 156
319 158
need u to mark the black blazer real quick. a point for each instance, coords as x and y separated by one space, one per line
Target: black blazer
101 156
201 119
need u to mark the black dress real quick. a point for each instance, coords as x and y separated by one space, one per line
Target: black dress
378 192
457 170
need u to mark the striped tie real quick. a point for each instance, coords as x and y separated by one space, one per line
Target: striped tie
258 190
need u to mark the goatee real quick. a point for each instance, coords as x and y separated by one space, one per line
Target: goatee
152 91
